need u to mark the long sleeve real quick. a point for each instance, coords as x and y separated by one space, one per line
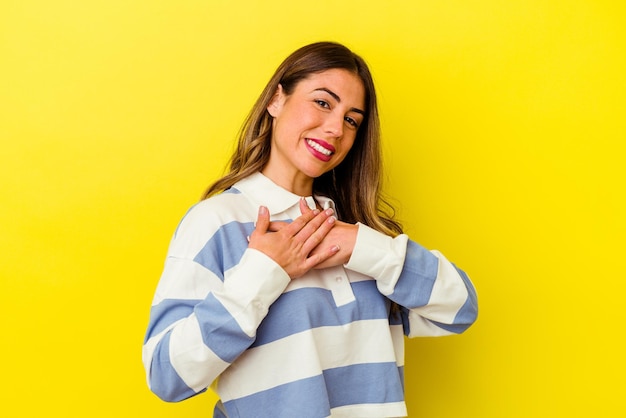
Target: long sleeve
437 297
211 298
228 317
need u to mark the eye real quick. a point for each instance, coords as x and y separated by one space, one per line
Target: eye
322 103
351 122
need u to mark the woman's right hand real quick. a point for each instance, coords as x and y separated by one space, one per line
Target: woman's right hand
290 244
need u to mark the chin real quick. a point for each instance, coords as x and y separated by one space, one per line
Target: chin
316 173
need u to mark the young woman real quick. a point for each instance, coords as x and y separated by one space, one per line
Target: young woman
289 289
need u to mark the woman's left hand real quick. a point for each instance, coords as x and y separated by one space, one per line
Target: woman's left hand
343 234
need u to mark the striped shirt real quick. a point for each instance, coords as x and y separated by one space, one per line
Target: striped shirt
326 344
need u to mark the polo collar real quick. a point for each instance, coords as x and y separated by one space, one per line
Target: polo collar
263 191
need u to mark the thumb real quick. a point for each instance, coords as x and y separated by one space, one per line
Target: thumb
304 206
263 220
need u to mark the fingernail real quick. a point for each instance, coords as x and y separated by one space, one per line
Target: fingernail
329 211
262 210
316 211
248 238
335 248
331 220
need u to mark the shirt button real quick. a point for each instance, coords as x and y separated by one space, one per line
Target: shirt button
258 305
339 279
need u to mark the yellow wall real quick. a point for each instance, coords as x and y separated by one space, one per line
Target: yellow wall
504 129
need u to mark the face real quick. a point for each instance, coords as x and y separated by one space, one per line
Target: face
315 126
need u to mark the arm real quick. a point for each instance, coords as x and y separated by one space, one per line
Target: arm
437 297
191 340
198 324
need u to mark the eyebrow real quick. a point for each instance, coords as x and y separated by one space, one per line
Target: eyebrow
336 97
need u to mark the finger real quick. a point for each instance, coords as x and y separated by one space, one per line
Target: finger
300 222
263 220
321 257
304 207
318 234
315 224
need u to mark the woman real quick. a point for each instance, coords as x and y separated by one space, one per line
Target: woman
289 289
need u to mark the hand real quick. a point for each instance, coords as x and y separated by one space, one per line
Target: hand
343 235
291 244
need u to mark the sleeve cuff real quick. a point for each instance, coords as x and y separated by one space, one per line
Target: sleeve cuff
251 288
379 256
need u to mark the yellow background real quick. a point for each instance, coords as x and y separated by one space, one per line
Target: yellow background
504 140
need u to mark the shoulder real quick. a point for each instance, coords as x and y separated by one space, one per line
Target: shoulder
217 210
208 216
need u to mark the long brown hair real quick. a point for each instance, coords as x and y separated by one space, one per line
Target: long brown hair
355 184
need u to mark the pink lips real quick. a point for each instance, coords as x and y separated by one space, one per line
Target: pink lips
320 149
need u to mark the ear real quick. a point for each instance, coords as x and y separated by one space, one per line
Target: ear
276 104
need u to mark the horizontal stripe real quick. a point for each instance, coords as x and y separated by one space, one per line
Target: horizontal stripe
358 386
451 328
194 362
449 291
251 288
468 313
185 279
304 355
396 409
166 313
361 384
397 340
164 380
202 221
308 308
335 278
420 326
220 331
225 248
417 279
306 398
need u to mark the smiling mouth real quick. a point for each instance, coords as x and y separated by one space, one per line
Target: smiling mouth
319 148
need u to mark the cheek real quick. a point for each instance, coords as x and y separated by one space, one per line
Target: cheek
347 143
297 119
346 147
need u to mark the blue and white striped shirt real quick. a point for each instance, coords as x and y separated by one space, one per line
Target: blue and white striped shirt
324 345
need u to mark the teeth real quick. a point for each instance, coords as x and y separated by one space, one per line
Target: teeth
317 147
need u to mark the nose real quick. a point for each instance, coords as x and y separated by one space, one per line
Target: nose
334 125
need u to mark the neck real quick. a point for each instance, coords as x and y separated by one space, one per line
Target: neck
296 183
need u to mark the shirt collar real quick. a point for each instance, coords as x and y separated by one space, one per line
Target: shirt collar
263 191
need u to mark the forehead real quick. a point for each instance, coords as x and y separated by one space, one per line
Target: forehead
345 84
